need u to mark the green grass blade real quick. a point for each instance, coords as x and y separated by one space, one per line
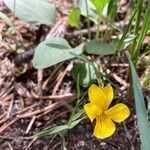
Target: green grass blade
6 20
121 42
140 107
139 13
53 130
142 35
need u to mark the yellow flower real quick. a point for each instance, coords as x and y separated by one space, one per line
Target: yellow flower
100 99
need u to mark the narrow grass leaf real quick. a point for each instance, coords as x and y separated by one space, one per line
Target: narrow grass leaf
74 123
52 130
121 42
77 115
6 20
143 32
140 107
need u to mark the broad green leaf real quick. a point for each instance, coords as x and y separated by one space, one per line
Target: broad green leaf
52 130
91 10
86 73
33 11
53 51
100 48
74 17
100 5
140 107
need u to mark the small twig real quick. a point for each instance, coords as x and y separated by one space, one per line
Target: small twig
30 124
19 112
54 97
6 125
40 79
33 140
121 81
51 75
120 65
9 145
7 137
128 136
10 108
55 117
50 107
61 78
55 146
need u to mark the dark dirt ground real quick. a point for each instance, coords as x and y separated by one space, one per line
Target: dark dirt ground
18 97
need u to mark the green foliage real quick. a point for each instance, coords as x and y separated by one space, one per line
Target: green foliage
33 11
53 130
77 115
100 5
124 35
100 48
74 17
6 20
53 51
145 27
86 73
140 107
91 10
75 118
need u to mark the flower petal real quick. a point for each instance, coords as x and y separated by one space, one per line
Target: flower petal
92 111
104 127
118 113
96 96
108 92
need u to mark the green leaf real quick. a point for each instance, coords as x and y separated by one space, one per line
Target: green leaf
100 5
121 41
53 51
6 20
74 123
74 17
91 10
77 115
143 32
86 73
33 11
100 48
140 107
52 130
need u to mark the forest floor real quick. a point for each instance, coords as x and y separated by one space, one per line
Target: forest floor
24 112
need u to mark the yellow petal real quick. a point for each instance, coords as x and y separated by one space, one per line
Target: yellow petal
118 113
104 127
108 92
92 111
96 96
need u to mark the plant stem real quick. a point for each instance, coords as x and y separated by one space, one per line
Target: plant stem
88 20
98 28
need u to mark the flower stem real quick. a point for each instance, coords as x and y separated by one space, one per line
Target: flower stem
98 28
